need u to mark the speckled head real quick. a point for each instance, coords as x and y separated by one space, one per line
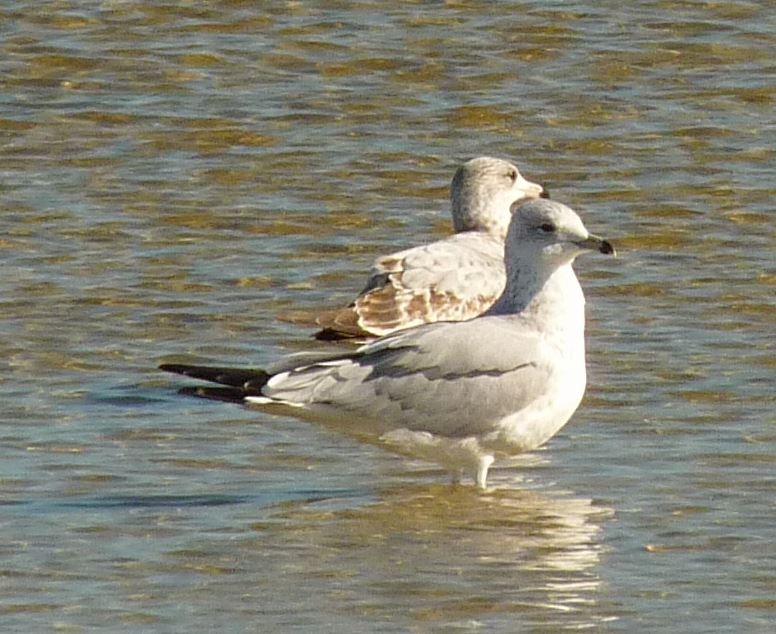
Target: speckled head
482 194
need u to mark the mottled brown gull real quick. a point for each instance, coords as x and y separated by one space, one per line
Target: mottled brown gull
453 279
459 394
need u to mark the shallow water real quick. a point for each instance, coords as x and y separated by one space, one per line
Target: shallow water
182 181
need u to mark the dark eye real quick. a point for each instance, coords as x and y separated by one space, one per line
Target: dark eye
548 227
512 175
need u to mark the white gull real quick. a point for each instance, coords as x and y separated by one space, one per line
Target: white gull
459 394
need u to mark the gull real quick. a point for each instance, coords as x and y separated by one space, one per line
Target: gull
459 394
453 279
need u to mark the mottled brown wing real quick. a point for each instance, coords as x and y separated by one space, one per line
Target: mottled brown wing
340 324
450 280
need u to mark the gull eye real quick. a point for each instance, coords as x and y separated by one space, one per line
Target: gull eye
548 227
512 175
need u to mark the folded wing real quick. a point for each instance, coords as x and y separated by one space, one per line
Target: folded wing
450 280
445 379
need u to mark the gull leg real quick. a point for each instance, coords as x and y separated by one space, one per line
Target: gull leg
455 476
482 471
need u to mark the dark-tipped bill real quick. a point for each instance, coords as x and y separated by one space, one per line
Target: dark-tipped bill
596 243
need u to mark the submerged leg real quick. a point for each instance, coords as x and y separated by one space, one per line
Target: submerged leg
482 470
455 476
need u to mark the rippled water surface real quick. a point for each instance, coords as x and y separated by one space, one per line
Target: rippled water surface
187 181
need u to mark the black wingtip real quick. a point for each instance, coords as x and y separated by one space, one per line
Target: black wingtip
223 394
329 334
246 379
175 368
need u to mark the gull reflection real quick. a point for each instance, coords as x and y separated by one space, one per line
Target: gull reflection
445 555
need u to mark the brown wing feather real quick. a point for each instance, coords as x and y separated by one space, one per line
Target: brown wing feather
382 310
339 324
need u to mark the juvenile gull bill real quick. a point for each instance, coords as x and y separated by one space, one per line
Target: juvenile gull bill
460 394
453 279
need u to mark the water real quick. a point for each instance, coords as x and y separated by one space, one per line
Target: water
182 181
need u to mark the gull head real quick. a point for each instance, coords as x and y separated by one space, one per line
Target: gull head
550 234
483 192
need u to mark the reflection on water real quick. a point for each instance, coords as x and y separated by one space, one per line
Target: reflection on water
441 556
425 556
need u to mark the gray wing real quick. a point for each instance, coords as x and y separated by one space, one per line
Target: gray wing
450 280
452 379
300 360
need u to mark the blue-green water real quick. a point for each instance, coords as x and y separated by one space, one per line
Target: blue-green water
186 179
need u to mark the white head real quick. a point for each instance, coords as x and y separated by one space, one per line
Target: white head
549 235
483 191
